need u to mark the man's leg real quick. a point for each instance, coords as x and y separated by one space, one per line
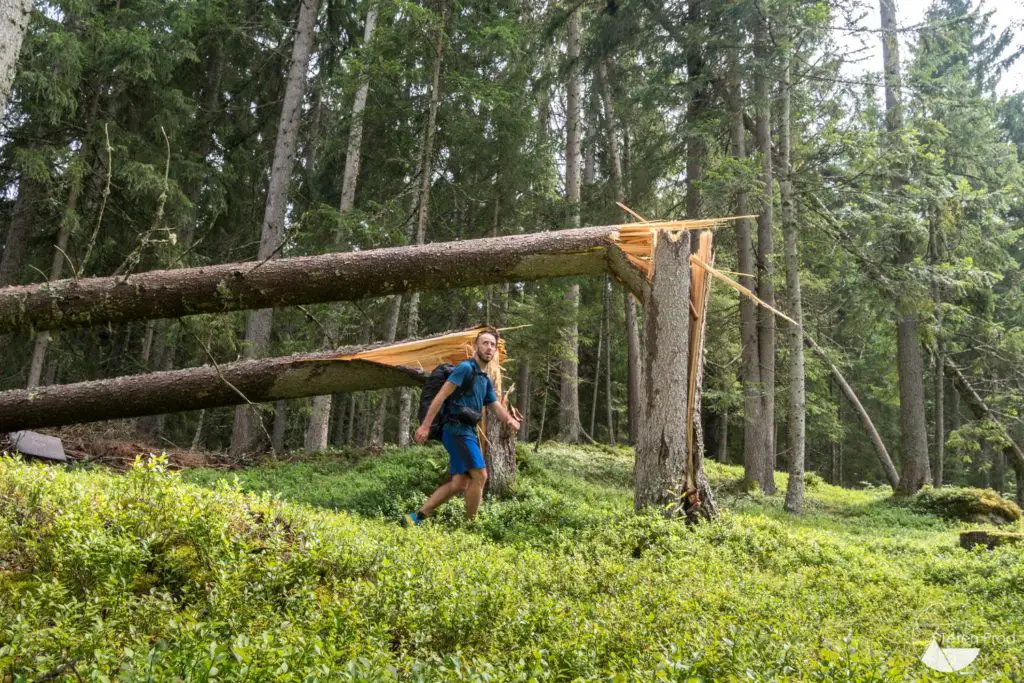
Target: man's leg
445 491
475 491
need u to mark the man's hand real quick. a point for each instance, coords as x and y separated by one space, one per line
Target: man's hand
421 434
513 423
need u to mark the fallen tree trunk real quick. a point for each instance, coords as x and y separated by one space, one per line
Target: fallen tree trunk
316 279
981 411
254 381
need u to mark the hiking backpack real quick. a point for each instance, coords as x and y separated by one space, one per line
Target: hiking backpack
432 385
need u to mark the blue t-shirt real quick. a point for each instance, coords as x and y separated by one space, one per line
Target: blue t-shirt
480 394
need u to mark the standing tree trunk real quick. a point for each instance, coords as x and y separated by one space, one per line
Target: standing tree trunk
797 400
569 403
668 474
12 265
258 323
914 468
426 166
320 417
14 16
634 370
765 248
608 361
756 466
390 334
523 388
500 455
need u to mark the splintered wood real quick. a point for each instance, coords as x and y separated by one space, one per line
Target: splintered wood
638 240
427 354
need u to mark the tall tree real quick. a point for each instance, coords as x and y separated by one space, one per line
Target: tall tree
272 231
765 240
569 404
914 466
794 333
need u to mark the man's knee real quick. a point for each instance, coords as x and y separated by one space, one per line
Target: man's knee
478 476
459 483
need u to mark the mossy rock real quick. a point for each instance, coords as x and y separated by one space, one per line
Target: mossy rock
967 504
989 539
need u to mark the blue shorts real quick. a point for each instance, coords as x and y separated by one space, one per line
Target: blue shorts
463 452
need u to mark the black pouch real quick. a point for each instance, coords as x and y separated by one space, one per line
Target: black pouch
464 415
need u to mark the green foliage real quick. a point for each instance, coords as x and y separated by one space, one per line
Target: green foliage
149 576
968 504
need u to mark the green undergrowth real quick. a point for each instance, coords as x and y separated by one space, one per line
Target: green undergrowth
296 571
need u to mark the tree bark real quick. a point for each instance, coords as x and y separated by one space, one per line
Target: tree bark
12 265
345 276
259 380
797 398
500 456
765 247
667 474
258 323
569 403
14 16
426 165
939 385
320 416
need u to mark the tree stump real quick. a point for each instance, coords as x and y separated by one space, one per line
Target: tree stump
989 539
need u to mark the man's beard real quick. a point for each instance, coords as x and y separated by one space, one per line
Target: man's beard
480 359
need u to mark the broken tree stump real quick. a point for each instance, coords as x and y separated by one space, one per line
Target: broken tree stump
989 539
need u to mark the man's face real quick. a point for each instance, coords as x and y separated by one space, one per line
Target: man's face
486 347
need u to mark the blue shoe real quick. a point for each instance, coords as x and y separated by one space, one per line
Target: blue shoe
411 519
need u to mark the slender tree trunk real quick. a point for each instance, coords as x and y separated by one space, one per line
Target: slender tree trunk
543 405
634 370
608 362
426 165
695 109
320 417
12 265
525 398
569 403
14 16
765 244
340 410
797 400
277 433
940 416
914 468
258 323
756 465
722 440
597 376
42 342
377 432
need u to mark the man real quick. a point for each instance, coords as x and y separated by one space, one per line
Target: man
465 461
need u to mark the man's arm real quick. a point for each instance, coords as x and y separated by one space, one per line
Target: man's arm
447 389
503 414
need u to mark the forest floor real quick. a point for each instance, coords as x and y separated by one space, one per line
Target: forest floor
296 569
